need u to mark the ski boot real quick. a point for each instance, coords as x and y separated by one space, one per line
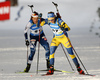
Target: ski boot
80 70
48 62
27 68
51 71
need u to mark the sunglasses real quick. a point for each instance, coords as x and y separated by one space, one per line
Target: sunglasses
51 20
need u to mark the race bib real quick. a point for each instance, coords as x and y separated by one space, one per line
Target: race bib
57 31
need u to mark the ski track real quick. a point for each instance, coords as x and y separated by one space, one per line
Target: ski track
56 76
77 48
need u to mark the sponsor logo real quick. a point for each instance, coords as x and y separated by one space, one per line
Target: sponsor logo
53 42
66 42
60 21
44 38
32 40
5 10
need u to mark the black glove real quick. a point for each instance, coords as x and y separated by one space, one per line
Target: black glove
62 28
27 43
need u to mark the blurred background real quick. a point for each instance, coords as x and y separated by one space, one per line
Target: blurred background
76 13
72 11
81 16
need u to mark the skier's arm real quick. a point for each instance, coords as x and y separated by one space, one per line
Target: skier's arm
63 24
45 21
66 27
26 30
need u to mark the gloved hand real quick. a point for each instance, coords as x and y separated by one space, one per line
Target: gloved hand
27 43
40 15
62 28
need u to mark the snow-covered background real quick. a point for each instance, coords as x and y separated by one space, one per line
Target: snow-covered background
78 14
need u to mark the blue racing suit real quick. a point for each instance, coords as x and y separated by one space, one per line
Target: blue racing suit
34 37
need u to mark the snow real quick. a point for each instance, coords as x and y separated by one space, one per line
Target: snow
78 14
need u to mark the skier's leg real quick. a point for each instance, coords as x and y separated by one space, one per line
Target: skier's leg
53 47
32 52
71 54
45 44
68 46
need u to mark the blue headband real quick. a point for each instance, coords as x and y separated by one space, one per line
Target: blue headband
50 15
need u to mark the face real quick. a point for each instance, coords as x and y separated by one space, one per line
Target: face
51 20
35 19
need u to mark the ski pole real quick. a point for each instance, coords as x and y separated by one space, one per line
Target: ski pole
61 44
56 6
31 6
67 58
70 42
27 54
38 44
38 53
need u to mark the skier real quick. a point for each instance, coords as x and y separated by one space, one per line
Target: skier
59 28
35 31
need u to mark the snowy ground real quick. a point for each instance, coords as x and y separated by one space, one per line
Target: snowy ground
13 57
77 14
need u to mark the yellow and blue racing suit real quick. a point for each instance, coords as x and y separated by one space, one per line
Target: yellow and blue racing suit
60 36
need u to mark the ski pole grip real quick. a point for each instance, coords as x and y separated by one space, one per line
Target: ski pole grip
30 5
55 4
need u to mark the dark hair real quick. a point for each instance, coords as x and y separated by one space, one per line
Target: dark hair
35 12
50 12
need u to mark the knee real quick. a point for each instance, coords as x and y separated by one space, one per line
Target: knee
52 49
70 51
46 47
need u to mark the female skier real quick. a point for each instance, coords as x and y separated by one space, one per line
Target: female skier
59 28
35 31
